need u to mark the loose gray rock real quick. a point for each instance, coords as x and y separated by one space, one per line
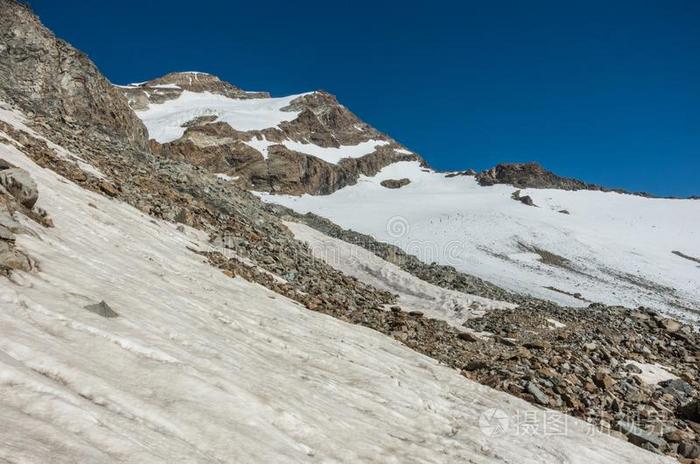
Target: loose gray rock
4 164
539 395
680 389
102 309
691 411
689 450
527 200
639 436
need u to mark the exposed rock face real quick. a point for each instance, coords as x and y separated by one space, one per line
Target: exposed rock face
322 115
528 175
395 183
219 148
58 85
297 173
532 175
468 172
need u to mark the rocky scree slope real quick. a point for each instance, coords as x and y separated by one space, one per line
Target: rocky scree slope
633 373
308 143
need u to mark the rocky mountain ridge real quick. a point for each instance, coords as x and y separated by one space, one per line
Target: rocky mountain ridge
280 158
533 175
57 85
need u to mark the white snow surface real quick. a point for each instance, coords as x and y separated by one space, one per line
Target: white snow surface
619 246
414 294
199 367
652 373
164 120
328 154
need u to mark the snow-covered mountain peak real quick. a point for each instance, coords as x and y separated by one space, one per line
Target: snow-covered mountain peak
299 143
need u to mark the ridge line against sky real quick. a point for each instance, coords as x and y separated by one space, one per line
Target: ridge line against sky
609 94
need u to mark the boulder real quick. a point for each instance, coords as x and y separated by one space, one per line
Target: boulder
689 450
18 183
691 411
640 436
395 183
670 325
527 200
679 389
13 259
538 394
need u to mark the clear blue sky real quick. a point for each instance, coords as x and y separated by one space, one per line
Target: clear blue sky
606 91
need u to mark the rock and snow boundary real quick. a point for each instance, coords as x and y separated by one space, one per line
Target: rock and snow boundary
574 248
199 367
414 294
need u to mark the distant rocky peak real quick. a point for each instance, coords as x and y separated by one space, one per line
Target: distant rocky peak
171 86
527 175
202 82
533 175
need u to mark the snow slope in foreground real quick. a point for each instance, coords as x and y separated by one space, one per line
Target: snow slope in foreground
619 247
414 294
203 368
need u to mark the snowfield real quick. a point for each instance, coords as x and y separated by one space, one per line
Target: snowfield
414 293
328 154
610 248
199 367
164 120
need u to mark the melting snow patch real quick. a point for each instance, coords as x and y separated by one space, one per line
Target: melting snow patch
652 373
556 324
414 294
